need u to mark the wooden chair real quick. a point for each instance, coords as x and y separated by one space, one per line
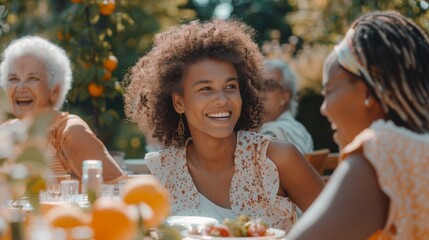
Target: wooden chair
330 166
331 162
318 159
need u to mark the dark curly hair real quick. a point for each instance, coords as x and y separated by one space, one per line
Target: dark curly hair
151 82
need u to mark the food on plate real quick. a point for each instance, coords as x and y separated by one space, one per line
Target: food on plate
243 226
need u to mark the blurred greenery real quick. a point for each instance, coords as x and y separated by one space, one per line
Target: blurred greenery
299 31
302 32
91 31
23 157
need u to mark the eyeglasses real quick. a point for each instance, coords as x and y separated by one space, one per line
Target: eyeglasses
271 85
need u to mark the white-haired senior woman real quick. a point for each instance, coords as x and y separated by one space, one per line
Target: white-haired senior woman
36 76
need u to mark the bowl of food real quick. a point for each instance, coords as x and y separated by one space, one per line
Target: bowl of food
234 229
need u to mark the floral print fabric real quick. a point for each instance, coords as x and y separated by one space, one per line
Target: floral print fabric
253 189
401 160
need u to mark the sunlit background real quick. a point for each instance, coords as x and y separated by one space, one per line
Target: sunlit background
299 31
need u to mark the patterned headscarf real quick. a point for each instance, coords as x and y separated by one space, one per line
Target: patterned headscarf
391 54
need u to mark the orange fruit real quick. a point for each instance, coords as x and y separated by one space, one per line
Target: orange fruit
111 220
95 90
86 65
61 36
111 63
147 190
35 185
106 76
107 7
66 216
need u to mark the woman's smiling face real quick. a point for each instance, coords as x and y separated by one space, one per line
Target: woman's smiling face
210 98
344 103
27 86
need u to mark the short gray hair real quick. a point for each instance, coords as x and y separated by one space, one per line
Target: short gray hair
55 59
289 81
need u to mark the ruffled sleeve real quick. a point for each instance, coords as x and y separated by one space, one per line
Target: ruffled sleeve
256 182
400 158
157 166
169 167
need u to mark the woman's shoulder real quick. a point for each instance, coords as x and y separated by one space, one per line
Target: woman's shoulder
72 120
391 150
384 141
250 137
385 137
70 123
166 163
400 159
165 157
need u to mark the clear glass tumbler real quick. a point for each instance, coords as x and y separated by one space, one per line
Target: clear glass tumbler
92 179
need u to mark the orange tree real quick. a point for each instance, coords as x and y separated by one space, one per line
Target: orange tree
103 39
85 29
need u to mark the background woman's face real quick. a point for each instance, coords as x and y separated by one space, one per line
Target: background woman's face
211 98
27 86
276 97
344 103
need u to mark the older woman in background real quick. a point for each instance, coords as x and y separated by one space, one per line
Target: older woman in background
280 106
36 76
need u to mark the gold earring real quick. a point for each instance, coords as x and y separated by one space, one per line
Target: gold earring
180 127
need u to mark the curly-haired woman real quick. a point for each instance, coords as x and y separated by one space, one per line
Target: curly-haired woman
196 92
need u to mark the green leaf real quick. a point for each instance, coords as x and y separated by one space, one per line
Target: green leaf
168 233
72 95
41 123
108 119
100 73
99 102
83 95
113 113
2 161
79 74
91 73
94 15
33 156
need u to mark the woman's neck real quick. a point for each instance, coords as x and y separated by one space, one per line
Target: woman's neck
211 154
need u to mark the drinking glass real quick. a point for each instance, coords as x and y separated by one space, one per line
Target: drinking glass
69 190
53 186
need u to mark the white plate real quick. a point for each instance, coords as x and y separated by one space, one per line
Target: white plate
274 234
186 221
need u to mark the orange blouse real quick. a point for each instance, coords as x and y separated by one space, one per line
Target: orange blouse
71 141
74 142
400 158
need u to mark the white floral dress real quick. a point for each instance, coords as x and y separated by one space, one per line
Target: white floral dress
400 158
253 189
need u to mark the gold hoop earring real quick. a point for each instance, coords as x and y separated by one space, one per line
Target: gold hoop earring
180 127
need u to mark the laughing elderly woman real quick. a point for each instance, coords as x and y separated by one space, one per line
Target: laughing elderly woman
36 76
